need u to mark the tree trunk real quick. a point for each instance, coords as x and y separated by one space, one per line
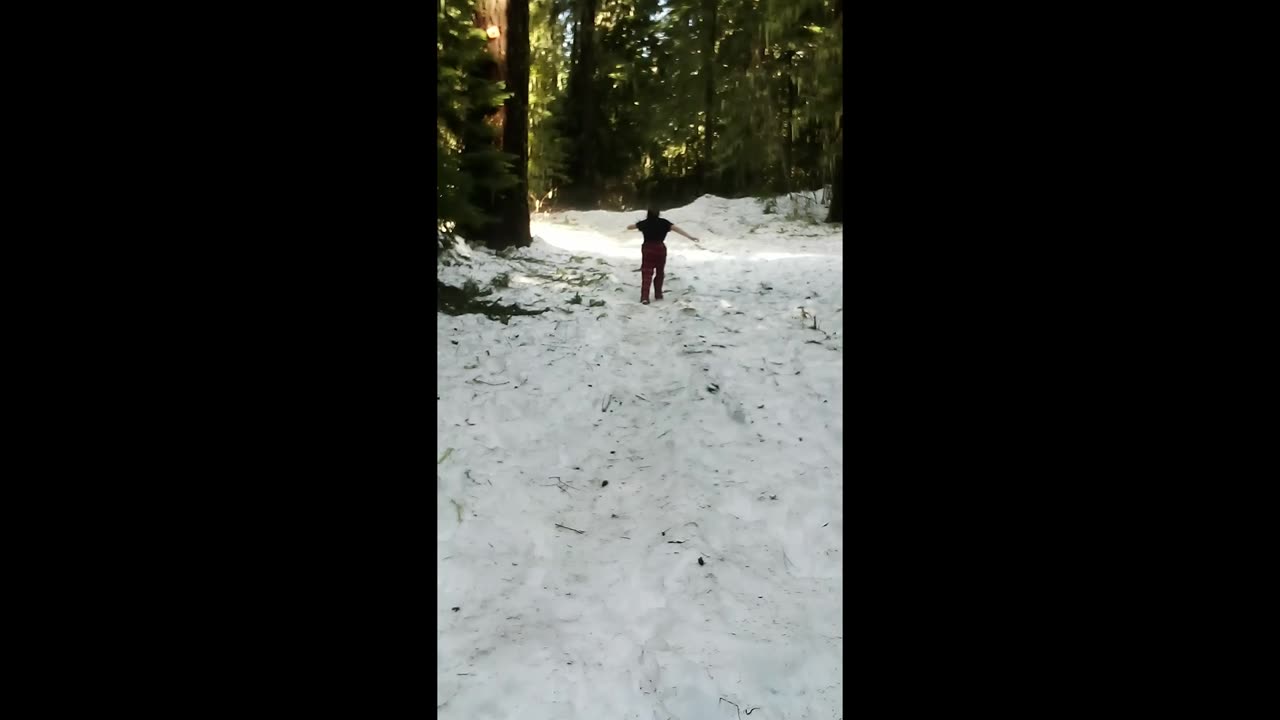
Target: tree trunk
588 106
575 49
515 217
836 212
581 108
491 15
788 149
710 8
507 23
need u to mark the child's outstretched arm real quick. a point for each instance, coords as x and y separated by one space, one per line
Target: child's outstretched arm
632 226
677 229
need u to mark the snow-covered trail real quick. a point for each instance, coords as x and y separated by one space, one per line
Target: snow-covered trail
706 426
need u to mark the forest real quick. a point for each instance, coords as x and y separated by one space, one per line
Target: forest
620 104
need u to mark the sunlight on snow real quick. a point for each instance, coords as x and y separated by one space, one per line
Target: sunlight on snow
782 255
584 240
626 244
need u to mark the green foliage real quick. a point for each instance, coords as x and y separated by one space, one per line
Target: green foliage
464 166
787 80
467 300
630 117
548 74
638 117
630 88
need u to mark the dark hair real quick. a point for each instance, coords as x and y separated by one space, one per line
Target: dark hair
653 213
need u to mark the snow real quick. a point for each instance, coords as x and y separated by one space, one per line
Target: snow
715 416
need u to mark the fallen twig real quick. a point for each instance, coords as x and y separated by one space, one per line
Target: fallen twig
643 398
564 486
482 382
566 527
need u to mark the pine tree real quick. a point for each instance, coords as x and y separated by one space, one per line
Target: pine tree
547 78
505 24
467 164
581 107
661 100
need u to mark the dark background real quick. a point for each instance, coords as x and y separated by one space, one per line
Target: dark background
276 169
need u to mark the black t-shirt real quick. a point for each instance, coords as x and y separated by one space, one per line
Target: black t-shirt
655 231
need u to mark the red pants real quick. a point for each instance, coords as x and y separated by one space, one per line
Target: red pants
653 260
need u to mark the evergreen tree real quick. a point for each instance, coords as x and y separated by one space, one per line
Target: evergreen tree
505 24
464 97
635 101
547 80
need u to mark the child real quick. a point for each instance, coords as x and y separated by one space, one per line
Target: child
653 253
